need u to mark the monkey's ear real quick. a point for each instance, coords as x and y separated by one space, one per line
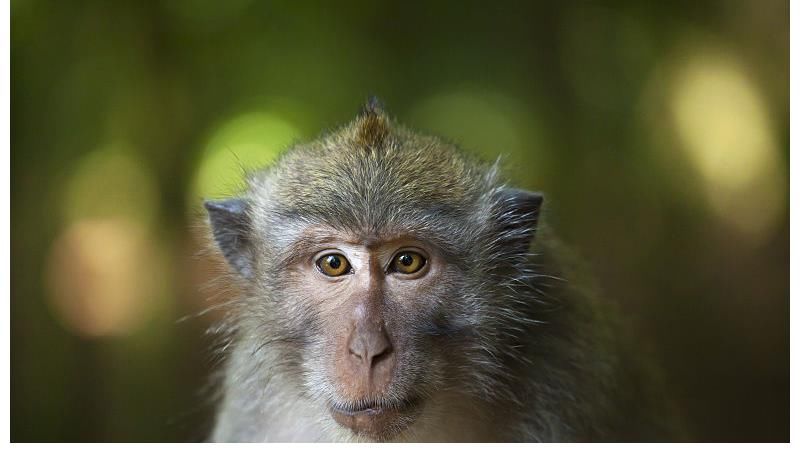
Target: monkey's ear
230 225
518 216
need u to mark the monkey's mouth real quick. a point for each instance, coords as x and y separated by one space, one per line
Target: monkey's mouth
376 419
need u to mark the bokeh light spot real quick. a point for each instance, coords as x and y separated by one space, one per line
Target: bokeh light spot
105 277
111 182
722 121
246 142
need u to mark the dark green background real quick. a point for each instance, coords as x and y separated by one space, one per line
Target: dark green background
580 96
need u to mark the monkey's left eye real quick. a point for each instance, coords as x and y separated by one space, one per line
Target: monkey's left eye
407 262
333 265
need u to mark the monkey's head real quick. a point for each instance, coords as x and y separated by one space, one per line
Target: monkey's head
382 270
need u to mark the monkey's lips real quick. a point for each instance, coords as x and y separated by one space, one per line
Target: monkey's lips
376 420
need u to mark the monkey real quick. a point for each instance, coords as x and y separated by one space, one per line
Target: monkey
393 288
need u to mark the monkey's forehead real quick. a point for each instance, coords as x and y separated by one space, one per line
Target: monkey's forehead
365 224
375 175
372 197
364 206
299 239
395 175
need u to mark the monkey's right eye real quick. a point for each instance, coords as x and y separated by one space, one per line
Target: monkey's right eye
333 265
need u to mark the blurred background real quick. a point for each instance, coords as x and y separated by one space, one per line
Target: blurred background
657 130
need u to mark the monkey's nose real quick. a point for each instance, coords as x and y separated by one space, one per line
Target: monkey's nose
370 346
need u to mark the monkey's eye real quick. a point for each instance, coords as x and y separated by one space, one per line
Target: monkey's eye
407 262
333 265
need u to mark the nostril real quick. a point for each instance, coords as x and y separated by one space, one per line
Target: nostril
357 348
380 356
355 354
378 347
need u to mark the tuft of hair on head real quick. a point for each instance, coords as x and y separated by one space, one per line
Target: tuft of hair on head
372 124
373 106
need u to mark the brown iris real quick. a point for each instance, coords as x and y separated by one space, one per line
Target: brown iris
408 262
333 265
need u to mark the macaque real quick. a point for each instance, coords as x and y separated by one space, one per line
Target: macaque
393 288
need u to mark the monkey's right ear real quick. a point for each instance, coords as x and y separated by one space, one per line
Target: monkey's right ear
518 215
230 225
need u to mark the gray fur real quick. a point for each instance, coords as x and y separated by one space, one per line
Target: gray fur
515 353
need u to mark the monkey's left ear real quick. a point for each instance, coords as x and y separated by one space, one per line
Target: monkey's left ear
231 227
518 215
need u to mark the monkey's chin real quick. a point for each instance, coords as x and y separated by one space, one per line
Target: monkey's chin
378 422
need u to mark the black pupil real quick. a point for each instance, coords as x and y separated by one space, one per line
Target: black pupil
334 262
406 260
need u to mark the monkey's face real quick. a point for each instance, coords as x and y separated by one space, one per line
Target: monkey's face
374 325
371 310
383 270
